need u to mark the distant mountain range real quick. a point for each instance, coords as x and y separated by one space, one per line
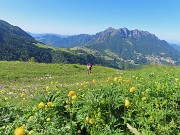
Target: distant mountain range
63 41
117 45
175 46
46 34
119 48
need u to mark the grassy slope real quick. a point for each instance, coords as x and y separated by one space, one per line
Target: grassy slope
158 113
64 73
31 78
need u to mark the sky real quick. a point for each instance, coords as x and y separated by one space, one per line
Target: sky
69 17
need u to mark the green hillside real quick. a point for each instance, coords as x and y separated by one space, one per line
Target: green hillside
63 99
121 48
17 45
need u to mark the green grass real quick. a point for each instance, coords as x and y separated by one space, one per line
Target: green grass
64 73
45 46
32 78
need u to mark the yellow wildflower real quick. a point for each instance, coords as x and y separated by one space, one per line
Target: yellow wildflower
87 82
176 79
127 103
94 81
120 78
19 131
74 97
31 117
23 95
41 105
132 89
47 87
91 121
87 119
116 79
50 104
71 93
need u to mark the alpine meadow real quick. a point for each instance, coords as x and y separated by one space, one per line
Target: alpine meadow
94 67
64 99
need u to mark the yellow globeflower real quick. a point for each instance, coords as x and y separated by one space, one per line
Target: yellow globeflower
50 104
91 121
31 118
41 105
127 103
176 79
132 89
23 95
87 82
116 79
94 81
19 131
120 78
47 87
71 93
74 97
87 119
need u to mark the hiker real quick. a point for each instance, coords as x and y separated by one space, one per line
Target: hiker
89 68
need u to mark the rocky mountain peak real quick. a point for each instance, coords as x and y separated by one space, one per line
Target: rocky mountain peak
124 32
106 34
138 33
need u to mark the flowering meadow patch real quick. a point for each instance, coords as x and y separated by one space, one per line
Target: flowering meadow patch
143 101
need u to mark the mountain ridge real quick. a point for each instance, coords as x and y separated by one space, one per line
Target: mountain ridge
63 42
137 46
118 48
7 28
16 44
